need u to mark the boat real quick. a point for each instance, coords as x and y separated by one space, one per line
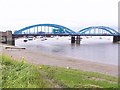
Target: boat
42 39
45 38
30 38
25 40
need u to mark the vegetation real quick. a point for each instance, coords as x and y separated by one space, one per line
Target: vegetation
20 74
25 75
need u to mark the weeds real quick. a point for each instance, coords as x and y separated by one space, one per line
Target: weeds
20 74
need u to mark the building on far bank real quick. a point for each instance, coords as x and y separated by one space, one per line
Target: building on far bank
6 37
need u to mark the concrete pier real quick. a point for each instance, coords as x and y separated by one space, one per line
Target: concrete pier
72 39
9 37
78 40
116 39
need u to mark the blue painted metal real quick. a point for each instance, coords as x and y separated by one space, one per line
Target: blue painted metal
66 30
111 32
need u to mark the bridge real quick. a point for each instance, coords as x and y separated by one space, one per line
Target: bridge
53 29
58 30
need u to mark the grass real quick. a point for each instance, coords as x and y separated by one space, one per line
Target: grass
79 79
25 75
20 75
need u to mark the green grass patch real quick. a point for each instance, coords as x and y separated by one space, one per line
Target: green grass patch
19 74
72 78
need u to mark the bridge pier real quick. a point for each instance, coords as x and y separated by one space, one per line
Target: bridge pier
72 39
75 40
9 37
116 39
78 40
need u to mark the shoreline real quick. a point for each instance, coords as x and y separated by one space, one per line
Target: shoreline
61 61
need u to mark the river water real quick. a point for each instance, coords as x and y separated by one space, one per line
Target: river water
96 49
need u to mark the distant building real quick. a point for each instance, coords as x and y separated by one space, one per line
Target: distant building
6 37
3 37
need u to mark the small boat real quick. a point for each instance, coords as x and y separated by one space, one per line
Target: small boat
41 36
42 39
30 37
52 36
25 40
45 38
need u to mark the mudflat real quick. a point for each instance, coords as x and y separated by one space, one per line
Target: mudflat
45 58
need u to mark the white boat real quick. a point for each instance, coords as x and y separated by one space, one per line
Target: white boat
30 37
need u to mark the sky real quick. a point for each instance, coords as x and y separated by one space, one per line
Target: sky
74 14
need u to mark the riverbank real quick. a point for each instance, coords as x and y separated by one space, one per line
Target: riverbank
61 61
21 74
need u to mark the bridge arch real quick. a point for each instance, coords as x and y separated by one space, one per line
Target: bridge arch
45 29
98 30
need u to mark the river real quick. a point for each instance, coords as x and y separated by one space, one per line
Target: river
96 49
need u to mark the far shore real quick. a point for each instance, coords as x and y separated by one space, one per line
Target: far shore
61 61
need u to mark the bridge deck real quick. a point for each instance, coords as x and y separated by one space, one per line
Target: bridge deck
21 35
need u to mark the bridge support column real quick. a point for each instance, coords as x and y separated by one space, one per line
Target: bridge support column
78 40
72 39
10 39
116 39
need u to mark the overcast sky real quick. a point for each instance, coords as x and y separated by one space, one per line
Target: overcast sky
74 14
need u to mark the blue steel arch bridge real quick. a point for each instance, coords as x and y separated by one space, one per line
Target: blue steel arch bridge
59 30
54 29
44 29
98 31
